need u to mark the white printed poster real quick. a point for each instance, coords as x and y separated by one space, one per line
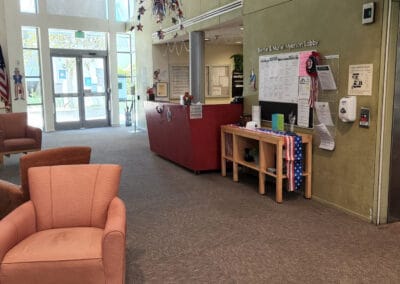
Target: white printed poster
360 80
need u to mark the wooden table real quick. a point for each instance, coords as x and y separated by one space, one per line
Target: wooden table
270 148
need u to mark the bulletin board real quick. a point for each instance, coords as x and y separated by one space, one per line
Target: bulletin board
218 81
284 87
179 81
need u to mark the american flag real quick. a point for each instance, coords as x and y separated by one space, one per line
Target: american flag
4 91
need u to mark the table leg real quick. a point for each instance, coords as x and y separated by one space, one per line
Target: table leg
261 183
235 172
279 174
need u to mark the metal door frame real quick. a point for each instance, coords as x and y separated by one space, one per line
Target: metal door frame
79 55
393 211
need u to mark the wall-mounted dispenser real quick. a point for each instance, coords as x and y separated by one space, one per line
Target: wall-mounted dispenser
348 109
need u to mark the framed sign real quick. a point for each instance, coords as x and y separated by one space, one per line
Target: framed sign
162 89
219 81
179 80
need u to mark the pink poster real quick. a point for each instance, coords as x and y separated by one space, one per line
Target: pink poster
302 63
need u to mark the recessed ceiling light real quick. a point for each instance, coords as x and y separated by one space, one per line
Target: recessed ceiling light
241 28
238 42
206 39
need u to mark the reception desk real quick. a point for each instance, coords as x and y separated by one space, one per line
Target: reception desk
191 143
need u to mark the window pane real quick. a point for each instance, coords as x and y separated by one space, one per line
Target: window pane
78 8
124 87
132 4
29 37
28 6
124 64
34 90
121 10
93 75
31 62
35 115
66 39
64 75
95 107
67 109
133 63
123 43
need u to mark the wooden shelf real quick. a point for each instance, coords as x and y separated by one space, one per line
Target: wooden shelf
237 140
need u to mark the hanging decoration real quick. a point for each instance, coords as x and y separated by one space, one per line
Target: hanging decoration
159 10
253 80
160 34
176 47
311 68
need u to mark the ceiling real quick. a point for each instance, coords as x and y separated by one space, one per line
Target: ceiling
225 35
230 33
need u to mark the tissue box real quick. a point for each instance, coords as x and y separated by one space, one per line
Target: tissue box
277 122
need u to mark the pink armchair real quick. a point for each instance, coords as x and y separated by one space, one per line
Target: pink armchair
16 136
71 231
13 195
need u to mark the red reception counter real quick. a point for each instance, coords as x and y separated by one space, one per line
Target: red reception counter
191 143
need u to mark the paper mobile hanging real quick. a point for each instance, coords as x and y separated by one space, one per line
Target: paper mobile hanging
159 10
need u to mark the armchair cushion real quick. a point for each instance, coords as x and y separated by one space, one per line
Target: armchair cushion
20 144
65 255
57 205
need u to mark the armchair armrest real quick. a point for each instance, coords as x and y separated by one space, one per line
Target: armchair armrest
34 133
11 196
114 237
16 226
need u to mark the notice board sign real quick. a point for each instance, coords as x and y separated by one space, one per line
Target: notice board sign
284 87
179 80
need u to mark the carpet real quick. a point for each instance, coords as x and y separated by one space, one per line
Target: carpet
205 228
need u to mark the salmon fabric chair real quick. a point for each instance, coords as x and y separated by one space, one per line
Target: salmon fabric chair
71 231
13 195
16 136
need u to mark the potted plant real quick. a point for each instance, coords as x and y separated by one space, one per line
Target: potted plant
238 62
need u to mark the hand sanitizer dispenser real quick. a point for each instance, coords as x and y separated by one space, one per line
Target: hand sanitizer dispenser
348 109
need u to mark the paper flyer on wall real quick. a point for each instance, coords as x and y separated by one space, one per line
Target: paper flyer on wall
196 111
325 77
327 142
323 113
303 113
256 115
360 80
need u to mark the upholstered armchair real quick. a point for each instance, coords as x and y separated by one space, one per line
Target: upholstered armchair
13 195
71 231
16 136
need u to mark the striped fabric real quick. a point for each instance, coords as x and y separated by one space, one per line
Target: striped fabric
4 94
293 155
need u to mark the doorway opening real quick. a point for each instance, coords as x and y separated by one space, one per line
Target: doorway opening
80 90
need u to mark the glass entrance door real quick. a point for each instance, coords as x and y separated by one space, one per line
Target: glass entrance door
80 91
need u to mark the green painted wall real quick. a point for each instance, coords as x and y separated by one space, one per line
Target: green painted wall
348 177
345 177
